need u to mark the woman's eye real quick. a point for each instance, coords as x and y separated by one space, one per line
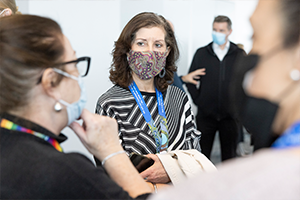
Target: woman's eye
158 45
140 44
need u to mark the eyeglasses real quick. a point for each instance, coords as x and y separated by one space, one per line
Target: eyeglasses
82 64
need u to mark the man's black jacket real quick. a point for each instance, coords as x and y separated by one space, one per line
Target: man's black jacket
212 97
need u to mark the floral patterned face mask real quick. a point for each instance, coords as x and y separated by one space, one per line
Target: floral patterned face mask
146 64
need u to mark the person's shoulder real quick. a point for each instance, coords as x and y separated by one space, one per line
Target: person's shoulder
115 92
235 48
204 51
204 48
172 88
176 92
264 162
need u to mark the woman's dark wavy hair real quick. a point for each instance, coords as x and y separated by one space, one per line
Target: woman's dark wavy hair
120 72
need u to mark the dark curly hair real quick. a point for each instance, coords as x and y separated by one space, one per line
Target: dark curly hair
120 72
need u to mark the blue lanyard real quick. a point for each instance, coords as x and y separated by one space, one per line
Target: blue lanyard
161 139
290 138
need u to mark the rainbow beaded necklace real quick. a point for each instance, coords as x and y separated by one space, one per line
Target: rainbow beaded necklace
12 126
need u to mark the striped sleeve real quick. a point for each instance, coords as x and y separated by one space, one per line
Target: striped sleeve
102 107
187 135
194 135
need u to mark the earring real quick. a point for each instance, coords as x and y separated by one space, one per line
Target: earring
57 107
295 75
164 73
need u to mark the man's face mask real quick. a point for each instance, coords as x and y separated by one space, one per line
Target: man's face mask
146 64
219 38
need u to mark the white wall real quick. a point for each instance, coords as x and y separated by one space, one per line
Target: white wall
243 30
93 25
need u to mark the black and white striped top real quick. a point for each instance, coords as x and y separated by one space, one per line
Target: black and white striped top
134 132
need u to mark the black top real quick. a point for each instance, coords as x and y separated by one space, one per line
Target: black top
212 97
31 168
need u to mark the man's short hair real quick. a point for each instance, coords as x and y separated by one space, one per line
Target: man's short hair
222 18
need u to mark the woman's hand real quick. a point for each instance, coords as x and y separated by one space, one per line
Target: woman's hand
99 134
156 173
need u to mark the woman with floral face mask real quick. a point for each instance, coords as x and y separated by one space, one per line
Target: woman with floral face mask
153 116
274 88
42 93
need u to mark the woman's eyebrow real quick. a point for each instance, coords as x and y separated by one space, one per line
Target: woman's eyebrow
141 39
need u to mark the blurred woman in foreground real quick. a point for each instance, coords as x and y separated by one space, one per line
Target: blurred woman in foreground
273 89
42 93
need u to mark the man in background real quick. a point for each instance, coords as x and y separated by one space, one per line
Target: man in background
212 95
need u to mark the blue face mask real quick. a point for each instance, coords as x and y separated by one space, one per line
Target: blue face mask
74 110
219 38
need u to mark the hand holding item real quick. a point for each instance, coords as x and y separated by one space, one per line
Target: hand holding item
99 134
156 173
194 76
140 162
